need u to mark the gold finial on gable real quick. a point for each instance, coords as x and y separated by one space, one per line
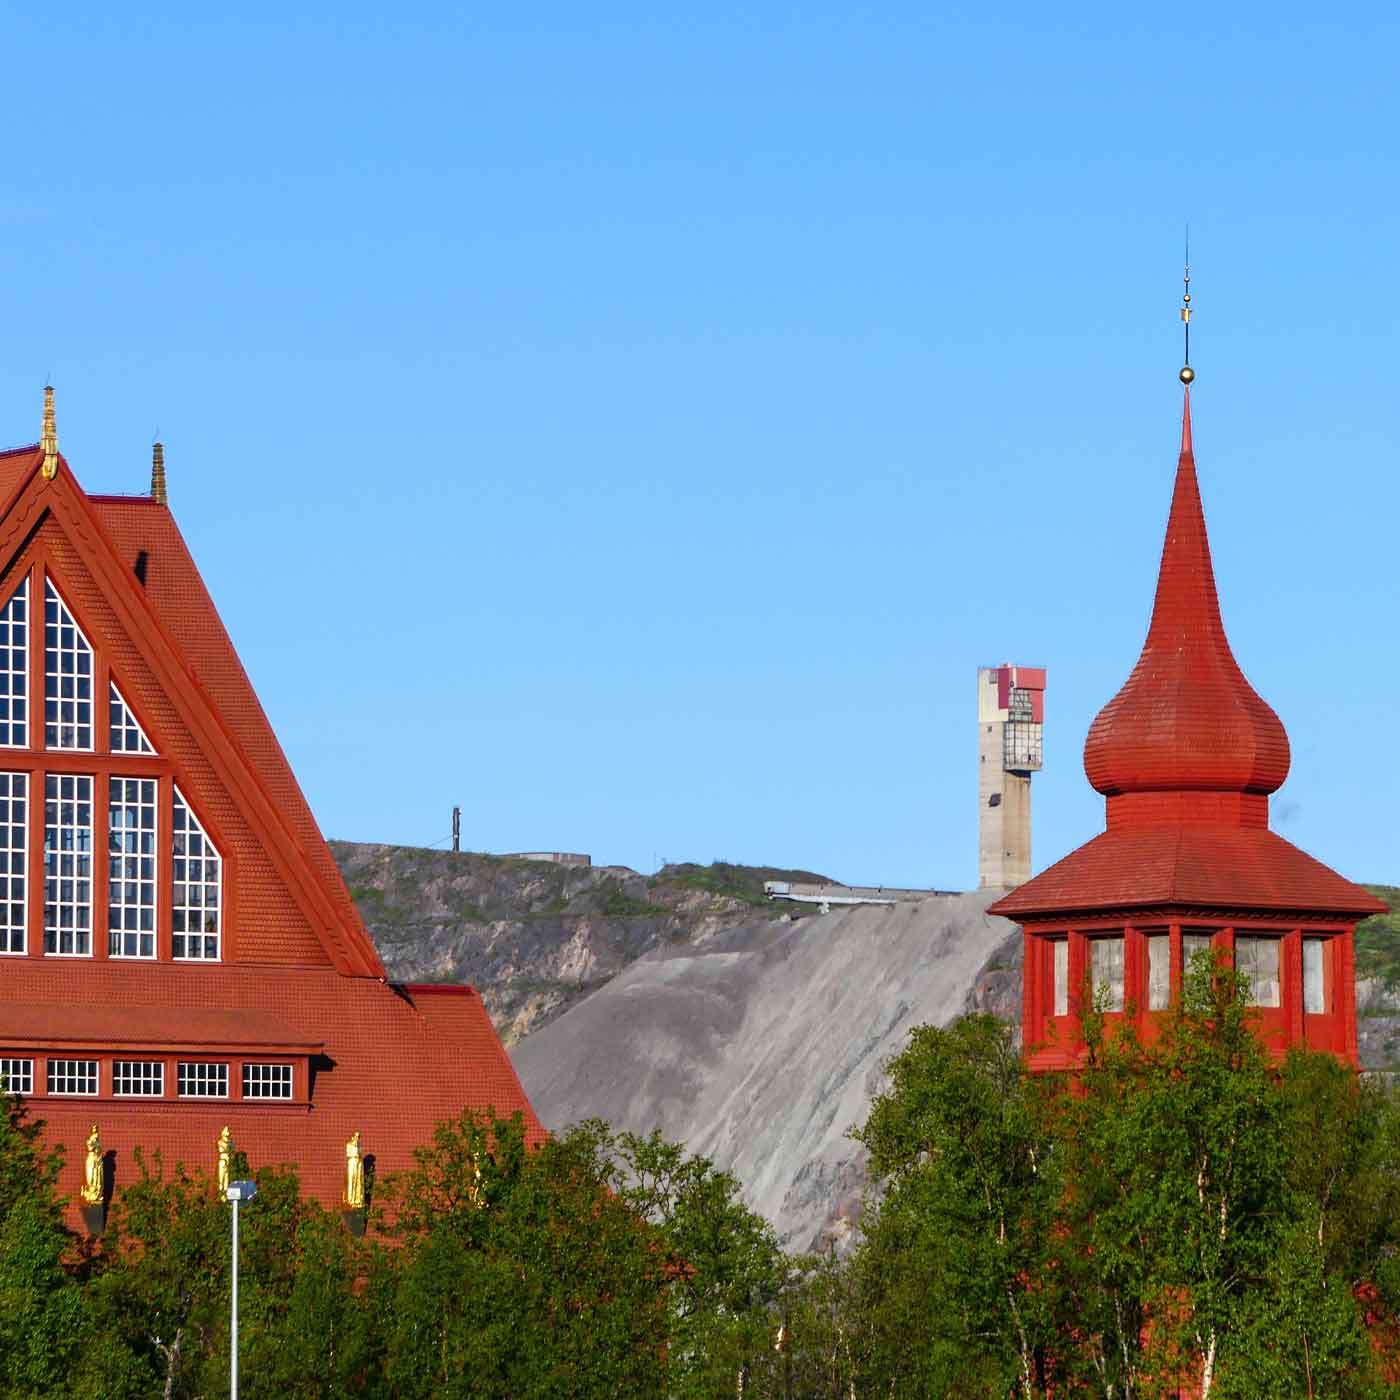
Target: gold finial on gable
158 474
49 440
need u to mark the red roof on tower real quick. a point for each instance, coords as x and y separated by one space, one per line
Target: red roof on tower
215 932
1186 754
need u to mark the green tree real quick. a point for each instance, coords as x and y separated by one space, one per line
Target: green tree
725 1273
1183 1215
953 1293
43 1320
522 1274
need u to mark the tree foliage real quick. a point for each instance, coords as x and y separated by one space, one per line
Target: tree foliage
1183 1217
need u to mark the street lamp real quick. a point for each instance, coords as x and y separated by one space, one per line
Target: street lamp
238 1193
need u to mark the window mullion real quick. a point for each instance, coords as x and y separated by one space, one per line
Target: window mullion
164 865
101 688
34 931
101 864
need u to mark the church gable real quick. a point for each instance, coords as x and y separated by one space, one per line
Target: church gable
149 832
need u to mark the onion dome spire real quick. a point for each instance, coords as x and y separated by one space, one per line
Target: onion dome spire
48 442
1186 719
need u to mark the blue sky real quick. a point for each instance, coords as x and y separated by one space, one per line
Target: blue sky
636 424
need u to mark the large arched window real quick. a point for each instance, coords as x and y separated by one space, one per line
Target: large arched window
152 886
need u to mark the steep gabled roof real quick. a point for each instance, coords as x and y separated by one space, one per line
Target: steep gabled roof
172 623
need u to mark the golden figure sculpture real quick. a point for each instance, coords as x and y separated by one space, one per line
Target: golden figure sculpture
474 1182
92 1170
225 1160
354 1173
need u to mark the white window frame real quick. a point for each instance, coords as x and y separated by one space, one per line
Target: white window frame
268 1081
124 732
1270 981
73 1072
53 851
18 1073
132 874
181 910
192 1077
14 864
138 1079
53 679
14 638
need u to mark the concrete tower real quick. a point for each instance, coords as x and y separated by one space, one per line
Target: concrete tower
1010 723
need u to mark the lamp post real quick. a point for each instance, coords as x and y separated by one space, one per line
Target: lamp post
238 1193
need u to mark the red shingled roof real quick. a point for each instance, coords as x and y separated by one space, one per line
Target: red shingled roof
396 1061
1186 717
1197 867
1186 753
141 527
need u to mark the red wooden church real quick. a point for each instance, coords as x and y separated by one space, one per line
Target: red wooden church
177 949
1186 755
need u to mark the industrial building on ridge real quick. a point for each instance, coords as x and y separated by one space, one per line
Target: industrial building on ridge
180 954
1010 747
1186 755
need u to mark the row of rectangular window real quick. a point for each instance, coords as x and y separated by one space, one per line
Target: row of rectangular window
194 1079
196 870
1257 958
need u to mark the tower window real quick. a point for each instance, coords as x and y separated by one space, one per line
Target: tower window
68 864
67 677
1106 967
1194 942
131 876
1315 988
14 669
198 872
1257 960
1059 970
1159 971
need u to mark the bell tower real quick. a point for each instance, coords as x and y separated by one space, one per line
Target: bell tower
1186 756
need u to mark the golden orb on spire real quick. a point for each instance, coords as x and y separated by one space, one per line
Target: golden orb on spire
1187 374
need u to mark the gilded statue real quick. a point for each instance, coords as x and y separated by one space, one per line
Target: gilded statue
354 1173
92 1170
225 1161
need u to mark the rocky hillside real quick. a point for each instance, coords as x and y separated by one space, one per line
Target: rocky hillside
534 937
754 1032
1378 984
763 1045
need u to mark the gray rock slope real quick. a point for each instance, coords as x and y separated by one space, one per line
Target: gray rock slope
760 1047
